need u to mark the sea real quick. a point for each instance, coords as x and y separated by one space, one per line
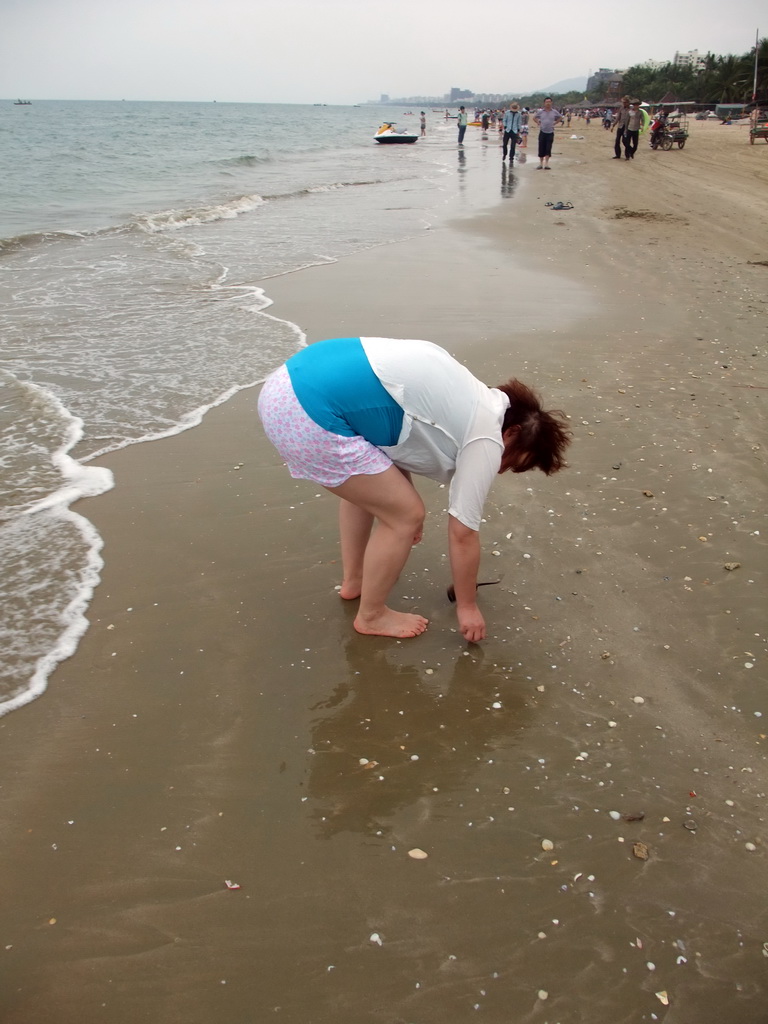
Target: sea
137 240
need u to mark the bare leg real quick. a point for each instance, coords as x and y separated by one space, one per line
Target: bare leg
393 501
355 526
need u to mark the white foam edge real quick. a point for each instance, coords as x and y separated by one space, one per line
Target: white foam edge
195 417
91 481
178 219
82 482
73 615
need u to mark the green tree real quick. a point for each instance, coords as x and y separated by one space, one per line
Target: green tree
732 80
722 79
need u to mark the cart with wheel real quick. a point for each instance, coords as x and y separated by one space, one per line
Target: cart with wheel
674 132
759 129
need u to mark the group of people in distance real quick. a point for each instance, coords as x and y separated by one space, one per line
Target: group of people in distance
514 124
627 119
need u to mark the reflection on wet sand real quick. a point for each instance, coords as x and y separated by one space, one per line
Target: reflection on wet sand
508 182
390 737
462 168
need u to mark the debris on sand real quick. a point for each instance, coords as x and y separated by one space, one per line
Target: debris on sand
640 850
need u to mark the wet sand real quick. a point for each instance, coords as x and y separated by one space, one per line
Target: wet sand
222 721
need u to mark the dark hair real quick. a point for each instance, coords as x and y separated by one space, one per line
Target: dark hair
533 438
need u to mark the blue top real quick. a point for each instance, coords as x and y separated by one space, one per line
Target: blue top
513 120
337 388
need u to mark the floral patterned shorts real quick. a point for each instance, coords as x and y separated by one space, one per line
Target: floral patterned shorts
310 452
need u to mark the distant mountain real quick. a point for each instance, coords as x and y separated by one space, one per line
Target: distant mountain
567 85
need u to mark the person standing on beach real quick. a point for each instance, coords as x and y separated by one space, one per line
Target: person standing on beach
622 118
461 121
423 117
513 122
359 415
546 118
632 131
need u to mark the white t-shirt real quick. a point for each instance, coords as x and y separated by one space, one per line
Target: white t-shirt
452 421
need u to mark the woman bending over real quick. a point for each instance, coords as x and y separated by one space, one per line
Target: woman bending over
360 415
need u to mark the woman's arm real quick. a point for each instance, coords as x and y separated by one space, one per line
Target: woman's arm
464 549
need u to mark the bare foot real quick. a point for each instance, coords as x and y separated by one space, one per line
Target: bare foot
392 623
351 588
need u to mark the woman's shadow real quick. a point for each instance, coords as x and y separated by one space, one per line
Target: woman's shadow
391 735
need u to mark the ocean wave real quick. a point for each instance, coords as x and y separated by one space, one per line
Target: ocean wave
176 219
37 433
51 566
246 160
332 186
50 555
15 243
170 220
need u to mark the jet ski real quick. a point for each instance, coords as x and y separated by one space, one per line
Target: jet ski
388 133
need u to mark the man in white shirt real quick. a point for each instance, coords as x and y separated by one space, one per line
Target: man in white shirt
546 118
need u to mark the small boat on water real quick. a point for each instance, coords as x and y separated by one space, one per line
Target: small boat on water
22 103
389 134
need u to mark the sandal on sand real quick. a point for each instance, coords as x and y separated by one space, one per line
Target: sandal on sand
560 206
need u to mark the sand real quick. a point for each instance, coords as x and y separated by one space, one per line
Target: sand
221 721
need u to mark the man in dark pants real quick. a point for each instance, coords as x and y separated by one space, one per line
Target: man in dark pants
546 118
632 131
513 122
461 122
622 119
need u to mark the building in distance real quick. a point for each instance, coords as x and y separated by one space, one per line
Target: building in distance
692 59
606 80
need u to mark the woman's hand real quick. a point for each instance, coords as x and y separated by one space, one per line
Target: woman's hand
471 623
464 547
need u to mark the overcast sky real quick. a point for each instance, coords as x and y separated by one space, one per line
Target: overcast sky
343 51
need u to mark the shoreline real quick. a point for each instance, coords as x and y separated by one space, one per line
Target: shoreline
212 722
